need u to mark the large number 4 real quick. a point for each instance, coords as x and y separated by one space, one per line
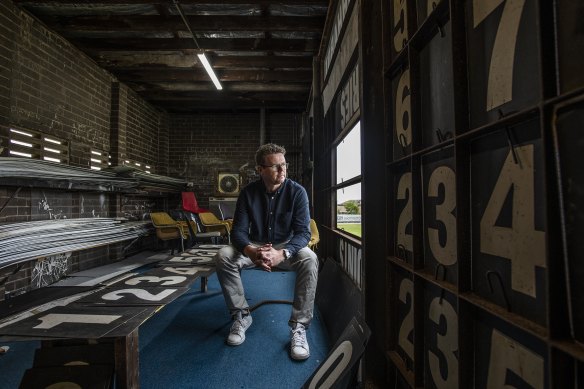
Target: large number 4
522 243
500 82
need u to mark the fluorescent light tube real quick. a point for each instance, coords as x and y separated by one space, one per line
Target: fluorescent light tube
209 70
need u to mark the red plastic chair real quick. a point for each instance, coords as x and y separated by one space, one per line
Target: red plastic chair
190 204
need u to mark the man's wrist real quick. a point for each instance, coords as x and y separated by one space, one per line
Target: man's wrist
286 254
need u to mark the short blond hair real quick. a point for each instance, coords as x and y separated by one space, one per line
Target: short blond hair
267 149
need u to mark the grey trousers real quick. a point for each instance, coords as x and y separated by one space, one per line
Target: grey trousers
230 262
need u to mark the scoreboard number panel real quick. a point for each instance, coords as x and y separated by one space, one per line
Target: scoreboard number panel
570 145
404 303
74 321
128 296
440 338
508 358
503 57
508 220
440 239
404 210
402 113
436 89
399 28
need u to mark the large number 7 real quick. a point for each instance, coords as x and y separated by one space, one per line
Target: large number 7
500 83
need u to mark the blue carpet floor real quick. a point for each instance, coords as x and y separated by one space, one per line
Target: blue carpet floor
183 346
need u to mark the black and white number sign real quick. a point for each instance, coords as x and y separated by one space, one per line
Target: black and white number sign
507 358
441 338
404 210
439 190
503 57
404 303
402 114
508 220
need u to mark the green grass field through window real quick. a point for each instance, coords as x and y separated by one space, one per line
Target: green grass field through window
351 228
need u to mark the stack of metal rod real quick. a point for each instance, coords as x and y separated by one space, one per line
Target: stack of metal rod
148 181
37 239
38 173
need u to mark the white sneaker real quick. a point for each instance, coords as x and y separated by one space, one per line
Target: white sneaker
298 344
238 328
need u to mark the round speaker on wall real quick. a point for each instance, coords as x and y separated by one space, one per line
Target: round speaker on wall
228 183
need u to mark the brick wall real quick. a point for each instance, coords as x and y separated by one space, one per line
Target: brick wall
56 90
204 145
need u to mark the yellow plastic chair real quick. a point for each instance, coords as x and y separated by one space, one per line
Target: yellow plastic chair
169 229
314 235
212 223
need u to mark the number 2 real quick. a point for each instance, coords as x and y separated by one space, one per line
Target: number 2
406 289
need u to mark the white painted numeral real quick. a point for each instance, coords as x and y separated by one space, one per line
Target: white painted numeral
189 271
140 293
500 79
54 319
445 176
406 289
171 280
522 243
345 351
400 16
403 108
191 259
404 191
507 354
200 253
447 344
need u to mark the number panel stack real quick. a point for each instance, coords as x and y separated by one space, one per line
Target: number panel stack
486 199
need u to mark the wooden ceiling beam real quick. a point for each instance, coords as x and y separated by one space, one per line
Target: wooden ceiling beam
157 23
229 88
179 60
319 3
218 44
224 75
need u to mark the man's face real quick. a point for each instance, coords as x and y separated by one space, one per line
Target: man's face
272 170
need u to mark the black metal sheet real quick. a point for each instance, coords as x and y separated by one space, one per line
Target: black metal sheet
436 89
337 298
570 143
506 356
402 299
185 260
90 377
89 354
440 235
37 297
166 276
400 15
509 221
73 321
570 44
341 360
440 337
403 215
502 52
402 118
134 296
